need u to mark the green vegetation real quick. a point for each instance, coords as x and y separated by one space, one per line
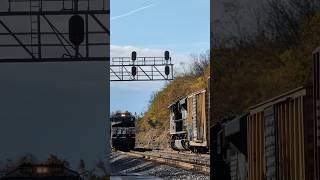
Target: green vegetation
153 127
266 64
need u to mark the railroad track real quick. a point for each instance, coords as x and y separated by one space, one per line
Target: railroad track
194 162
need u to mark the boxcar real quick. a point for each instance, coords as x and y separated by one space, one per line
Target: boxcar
281 138
189 122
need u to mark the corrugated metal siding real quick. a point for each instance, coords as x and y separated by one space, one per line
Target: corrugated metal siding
309 135
201 116
316 110
290 138
197 118
208 112
189 119
256 160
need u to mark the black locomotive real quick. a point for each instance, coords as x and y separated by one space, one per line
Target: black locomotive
123 131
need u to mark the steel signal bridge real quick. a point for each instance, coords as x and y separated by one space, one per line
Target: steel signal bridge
54 30
141 68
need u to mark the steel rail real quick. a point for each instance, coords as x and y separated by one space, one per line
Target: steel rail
178 162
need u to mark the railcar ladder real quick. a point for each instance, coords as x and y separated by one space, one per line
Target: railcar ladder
194 118
35 6
270 143
234 166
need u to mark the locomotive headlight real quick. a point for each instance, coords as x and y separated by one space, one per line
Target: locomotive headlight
123 115
42 170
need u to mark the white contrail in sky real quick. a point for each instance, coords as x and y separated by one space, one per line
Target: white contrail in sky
131 12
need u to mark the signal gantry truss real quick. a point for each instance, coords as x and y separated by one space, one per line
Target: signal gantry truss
39 30
141 69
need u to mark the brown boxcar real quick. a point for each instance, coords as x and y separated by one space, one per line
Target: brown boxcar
281 137
189 122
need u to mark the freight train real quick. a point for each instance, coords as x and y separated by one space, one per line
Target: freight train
123 131
189 122
273 140
277 139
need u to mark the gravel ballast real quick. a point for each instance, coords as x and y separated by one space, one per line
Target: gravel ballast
122 164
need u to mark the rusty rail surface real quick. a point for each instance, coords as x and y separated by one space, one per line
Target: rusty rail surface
194 162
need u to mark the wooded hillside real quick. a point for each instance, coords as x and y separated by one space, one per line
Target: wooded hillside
153 127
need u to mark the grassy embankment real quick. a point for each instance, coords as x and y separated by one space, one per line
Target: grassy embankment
153 127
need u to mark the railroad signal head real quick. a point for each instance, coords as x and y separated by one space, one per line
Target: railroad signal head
134 71
76 30
167 70
166 55
133 56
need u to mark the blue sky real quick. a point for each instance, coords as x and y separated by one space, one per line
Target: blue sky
150 27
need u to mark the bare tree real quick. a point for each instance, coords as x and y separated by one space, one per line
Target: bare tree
53 159
286 16
101 165
82 167
27 159
200 63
